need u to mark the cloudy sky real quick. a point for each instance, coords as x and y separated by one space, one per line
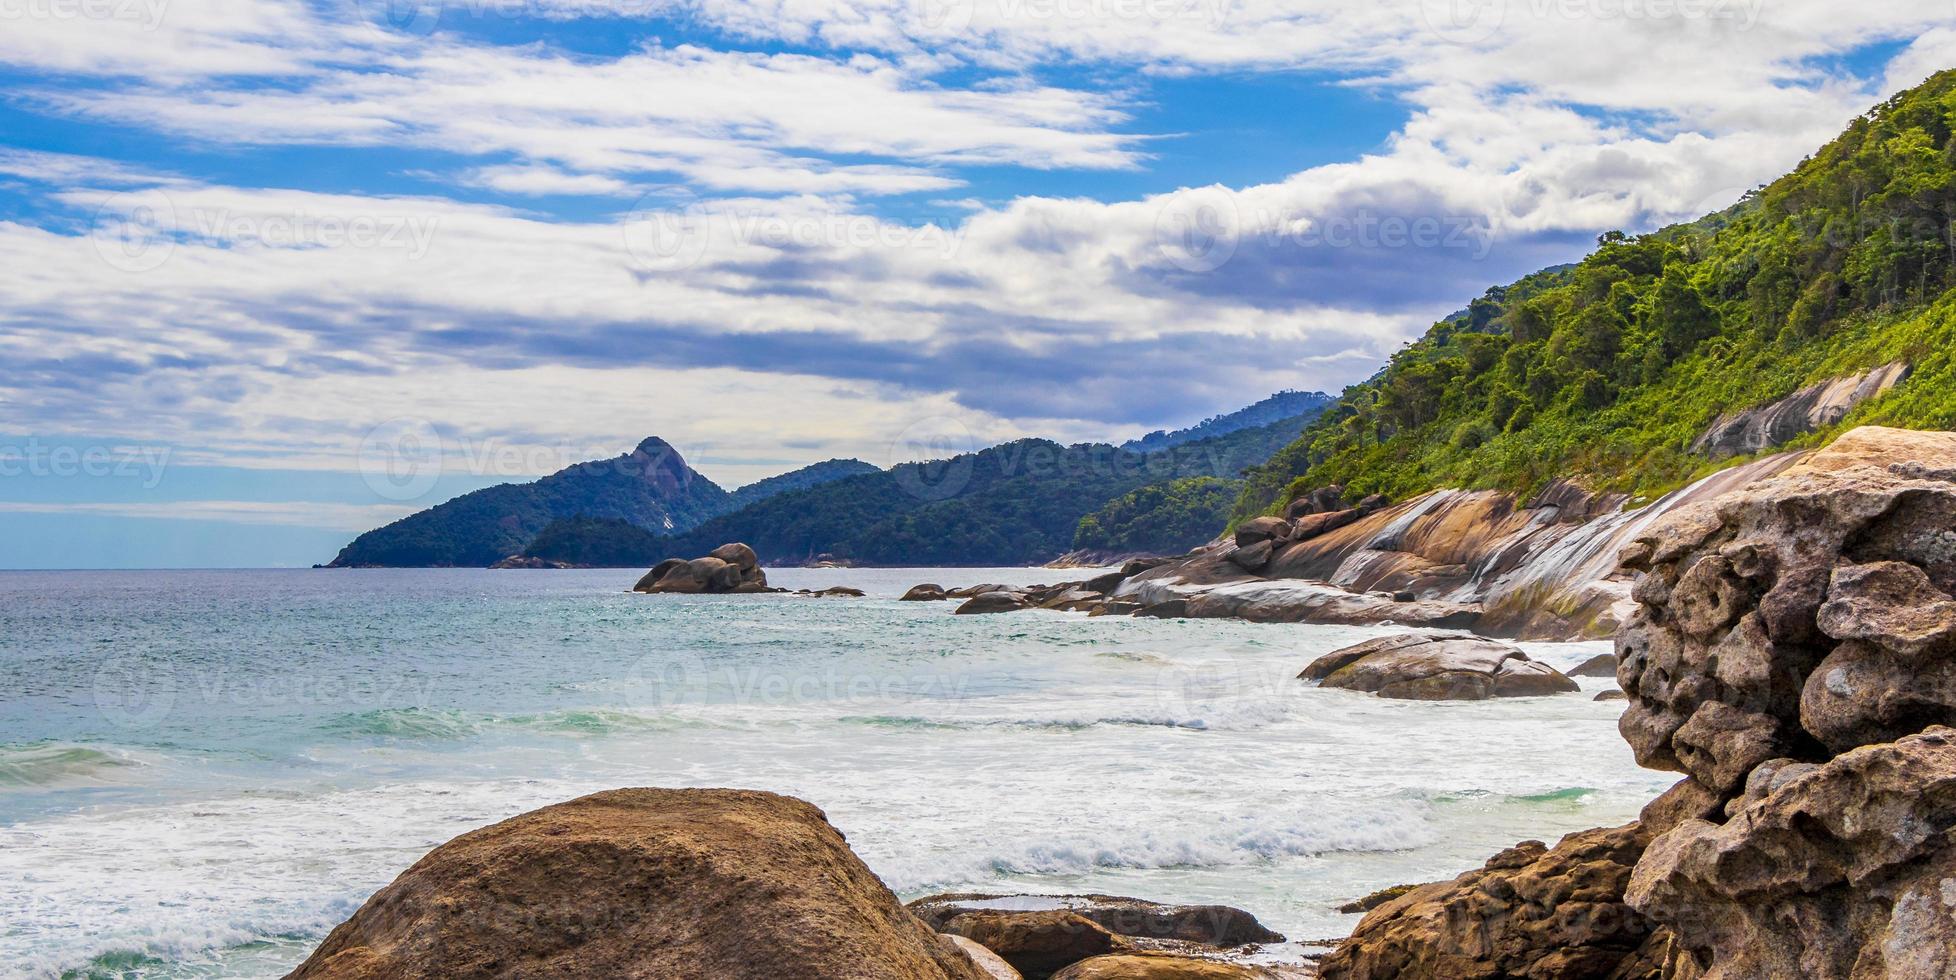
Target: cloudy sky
243 242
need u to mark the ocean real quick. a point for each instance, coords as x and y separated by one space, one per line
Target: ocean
202 772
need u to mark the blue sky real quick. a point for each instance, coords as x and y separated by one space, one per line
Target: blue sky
241 238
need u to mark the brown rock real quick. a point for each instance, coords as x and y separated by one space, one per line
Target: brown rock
1833 871
1798 616
1529 912
640 883
924 593
738 555
1601 665
1316 525
1209 925
1258 529
1252 558
1037 944
1158 966
993 602
1436 667
993 964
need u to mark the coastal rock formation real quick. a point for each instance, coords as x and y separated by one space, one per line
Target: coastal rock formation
928 592
1789 653
994 602
1437 667
1529 912
1799 413
1601 665
1210 925
730 568
1835 871
1800 617
1542 568
641 883
993 964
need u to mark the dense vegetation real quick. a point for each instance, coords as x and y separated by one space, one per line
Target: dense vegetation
1159 519
1014 504
1607 371
648 487
801 479
1283 406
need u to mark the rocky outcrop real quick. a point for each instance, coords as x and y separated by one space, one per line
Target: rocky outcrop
1838 871
1601 665
1800 617
730 568
1809 409
1210 925
928 592
1788 654
1437 667
994 602
641 883
1537 568
1531 911
1037 944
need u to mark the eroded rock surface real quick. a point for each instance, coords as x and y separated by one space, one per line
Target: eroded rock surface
1437 667
641 883
1799 617
1211 925
1840 871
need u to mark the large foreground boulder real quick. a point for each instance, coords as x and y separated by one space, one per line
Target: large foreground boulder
1437 667
641 883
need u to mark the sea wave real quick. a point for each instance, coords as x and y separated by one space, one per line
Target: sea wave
433 724
47 764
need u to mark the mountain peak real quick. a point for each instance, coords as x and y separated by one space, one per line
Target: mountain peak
655 446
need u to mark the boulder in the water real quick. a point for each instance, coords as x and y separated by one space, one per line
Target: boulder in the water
993 602
731 568
1437 667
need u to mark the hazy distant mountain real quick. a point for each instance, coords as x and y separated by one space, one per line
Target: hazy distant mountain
650 487
1280 407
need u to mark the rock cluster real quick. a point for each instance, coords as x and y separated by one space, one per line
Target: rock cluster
1437 667
730 568
1791 653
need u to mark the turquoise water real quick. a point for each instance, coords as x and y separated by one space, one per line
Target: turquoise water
202 772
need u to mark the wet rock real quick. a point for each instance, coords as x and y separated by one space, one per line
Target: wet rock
993 602
1531 911
834 591
925 593
1611 696
1167 609
641 883
1115 608
1437 667
1601 665
1210 925
1376 899
1839 870
1037 944
1798 617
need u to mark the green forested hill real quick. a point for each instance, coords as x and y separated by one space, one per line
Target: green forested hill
1608 371
1015 504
